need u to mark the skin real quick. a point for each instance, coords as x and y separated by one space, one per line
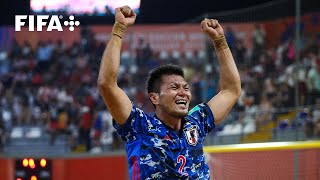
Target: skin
173 87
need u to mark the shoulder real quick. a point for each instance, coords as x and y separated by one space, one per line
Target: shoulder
199 109
199 112
145 118
135 118
138 111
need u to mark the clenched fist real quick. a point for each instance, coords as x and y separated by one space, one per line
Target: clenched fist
211 28
125 15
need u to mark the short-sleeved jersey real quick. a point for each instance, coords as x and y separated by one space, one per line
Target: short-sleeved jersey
156 151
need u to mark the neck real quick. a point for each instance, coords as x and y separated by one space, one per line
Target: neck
169 120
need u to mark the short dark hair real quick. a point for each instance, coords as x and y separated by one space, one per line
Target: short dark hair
155 76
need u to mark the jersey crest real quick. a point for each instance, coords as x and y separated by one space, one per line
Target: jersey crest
192 135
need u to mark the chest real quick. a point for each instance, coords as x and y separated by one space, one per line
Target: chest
168 145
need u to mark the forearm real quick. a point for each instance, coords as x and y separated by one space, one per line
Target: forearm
229 75
230 86
110 62
118 103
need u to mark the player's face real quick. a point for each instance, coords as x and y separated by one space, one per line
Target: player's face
175 95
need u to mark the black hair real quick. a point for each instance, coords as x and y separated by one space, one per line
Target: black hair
155 76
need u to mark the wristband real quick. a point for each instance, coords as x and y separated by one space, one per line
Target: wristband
220 43
119 29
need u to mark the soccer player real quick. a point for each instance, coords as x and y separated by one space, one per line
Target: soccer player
168 145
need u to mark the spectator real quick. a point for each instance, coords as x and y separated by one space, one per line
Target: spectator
96 132
5 65
44 53
290 53
258 38
317 128
313 80
240 51
2 134
85 127
230 37
265 111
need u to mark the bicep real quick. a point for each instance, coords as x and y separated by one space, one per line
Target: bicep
221 104
118 103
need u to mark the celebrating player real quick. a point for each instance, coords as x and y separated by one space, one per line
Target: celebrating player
168 145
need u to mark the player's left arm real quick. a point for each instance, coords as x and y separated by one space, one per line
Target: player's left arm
230 84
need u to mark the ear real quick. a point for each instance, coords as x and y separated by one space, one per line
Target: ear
154 98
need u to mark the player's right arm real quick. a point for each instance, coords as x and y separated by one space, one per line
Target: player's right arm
118 103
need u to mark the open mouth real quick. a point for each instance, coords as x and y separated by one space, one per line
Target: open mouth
181 102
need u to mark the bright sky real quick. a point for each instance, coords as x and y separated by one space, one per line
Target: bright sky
82 5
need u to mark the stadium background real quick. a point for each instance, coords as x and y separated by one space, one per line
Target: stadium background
50 107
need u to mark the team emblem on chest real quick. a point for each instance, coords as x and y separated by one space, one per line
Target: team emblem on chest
192 135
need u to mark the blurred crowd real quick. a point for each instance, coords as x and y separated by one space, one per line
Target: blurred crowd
276 81
54 86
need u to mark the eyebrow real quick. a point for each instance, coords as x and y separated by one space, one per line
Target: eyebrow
177 84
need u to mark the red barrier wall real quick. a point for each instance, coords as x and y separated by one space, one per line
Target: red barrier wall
6 169
107 167
80 168
265 165
309 164
261 165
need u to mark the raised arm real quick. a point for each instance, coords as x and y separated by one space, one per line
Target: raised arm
117 101
230 84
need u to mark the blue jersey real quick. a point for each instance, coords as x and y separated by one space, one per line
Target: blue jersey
156 151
